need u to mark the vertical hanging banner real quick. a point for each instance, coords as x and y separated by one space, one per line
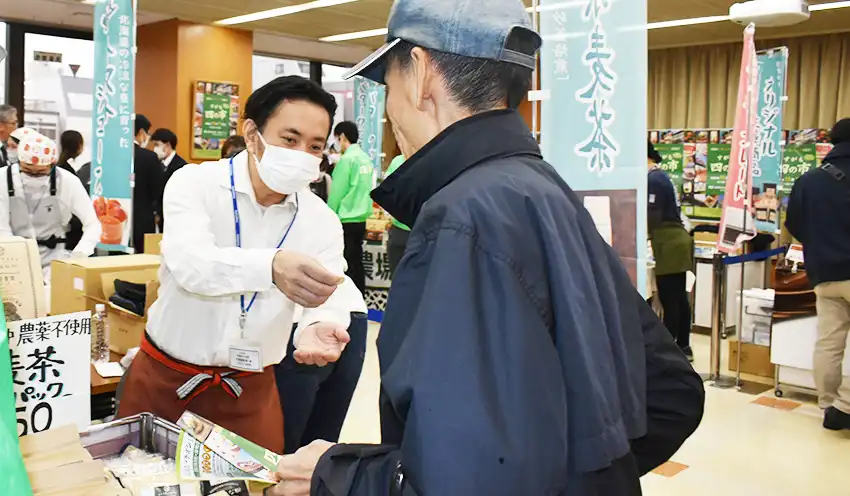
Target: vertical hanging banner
113 125
767 163
369 101
737 223
593 63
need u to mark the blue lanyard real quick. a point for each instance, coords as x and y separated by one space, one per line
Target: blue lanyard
238 225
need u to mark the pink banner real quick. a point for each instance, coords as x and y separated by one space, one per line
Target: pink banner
737 223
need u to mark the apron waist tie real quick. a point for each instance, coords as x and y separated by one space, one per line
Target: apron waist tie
202 378
52 242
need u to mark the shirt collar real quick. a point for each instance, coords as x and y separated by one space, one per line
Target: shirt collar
169 159
352 149
458 148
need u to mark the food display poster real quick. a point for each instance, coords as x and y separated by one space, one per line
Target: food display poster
113 126
767 160
215 118
700 180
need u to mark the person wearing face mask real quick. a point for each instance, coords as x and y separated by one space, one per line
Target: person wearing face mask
517 357
40 199
148 186
247 245
165 147
8 124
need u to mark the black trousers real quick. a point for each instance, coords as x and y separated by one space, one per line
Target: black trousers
395 246
315 400
672 292
355 234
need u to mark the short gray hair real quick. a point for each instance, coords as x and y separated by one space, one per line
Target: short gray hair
7 112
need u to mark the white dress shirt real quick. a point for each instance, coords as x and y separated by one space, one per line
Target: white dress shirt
73 200
196 316
167 160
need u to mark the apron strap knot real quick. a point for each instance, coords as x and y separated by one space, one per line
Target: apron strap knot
204 380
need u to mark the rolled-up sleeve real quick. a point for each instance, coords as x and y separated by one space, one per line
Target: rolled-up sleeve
190 252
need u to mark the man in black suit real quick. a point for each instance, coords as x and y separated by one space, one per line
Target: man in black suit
165 147
147 193
8 123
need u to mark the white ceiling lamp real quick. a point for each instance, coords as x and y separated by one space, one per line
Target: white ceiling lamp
356 36
282 11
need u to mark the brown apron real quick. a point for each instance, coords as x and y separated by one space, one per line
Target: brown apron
245 403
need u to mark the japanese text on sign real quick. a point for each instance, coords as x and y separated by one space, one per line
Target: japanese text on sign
600 149
376 263
51 371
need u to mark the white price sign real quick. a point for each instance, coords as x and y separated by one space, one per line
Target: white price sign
51 371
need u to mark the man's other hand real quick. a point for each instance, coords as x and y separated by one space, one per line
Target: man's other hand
321 343
296 471
302 279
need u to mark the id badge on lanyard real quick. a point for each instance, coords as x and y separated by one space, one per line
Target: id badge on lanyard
246 355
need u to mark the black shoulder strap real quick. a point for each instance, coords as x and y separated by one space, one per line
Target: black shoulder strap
836 173
10 186
53 181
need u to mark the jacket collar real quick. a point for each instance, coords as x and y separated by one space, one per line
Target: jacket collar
464 144
352 149
839 155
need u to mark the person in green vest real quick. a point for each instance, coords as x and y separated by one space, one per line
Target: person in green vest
398 232
673 249
353 180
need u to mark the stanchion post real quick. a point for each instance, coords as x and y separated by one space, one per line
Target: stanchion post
718 307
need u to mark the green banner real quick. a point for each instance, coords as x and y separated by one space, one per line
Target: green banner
710 203
796 161
14 481
673 163
216 117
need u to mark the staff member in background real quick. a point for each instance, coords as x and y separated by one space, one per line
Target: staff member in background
819 216
398 232
321 187
147 191
232 146
8 123
516 356
353 180
237 259
673 249
39 199
71 146
165 147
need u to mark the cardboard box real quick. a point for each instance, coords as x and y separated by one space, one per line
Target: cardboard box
77 284
22 279
755 359
125 327
152 242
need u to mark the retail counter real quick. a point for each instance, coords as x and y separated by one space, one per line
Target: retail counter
792 351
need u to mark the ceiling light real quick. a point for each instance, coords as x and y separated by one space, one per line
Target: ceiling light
282 11
356 36
90 2
828 6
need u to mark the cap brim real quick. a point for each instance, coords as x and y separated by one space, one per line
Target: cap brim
374 66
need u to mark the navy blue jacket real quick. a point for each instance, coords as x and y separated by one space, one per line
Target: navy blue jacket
662 199
516 356
819 217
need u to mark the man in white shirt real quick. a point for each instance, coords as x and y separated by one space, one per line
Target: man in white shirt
39 199
238 258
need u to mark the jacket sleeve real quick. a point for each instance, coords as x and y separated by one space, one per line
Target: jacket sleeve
341 183
794 214
675 396
482 386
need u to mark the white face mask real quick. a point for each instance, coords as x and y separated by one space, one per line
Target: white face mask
160 152
286 171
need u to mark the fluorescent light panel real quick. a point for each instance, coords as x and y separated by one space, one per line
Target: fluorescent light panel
828 6
282 11
356 36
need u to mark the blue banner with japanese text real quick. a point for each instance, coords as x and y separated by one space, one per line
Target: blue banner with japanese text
593 125
369 101
113 119
767 163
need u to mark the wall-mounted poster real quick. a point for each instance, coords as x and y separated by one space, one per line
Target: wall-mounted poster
215 118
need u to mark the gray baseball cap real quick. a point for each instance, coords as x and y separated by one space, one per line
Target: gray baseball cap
471 28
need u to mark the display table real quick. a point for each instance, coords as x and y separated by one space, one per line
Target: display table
792 351
103 391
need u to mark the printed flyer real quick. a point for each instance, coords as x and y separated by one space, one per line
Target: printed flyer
244 455
197 461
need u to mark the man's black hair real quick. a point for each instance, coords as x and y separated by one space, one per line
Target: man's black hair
652 153
142 122
349 130
840 132
264 102
165 136
478 85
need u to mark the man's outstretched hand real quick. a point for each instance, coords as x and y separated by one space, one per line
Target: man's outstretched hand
321 343
303 279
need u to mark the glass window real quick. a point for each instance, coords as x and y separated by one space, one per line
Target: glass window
58 87
265 69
